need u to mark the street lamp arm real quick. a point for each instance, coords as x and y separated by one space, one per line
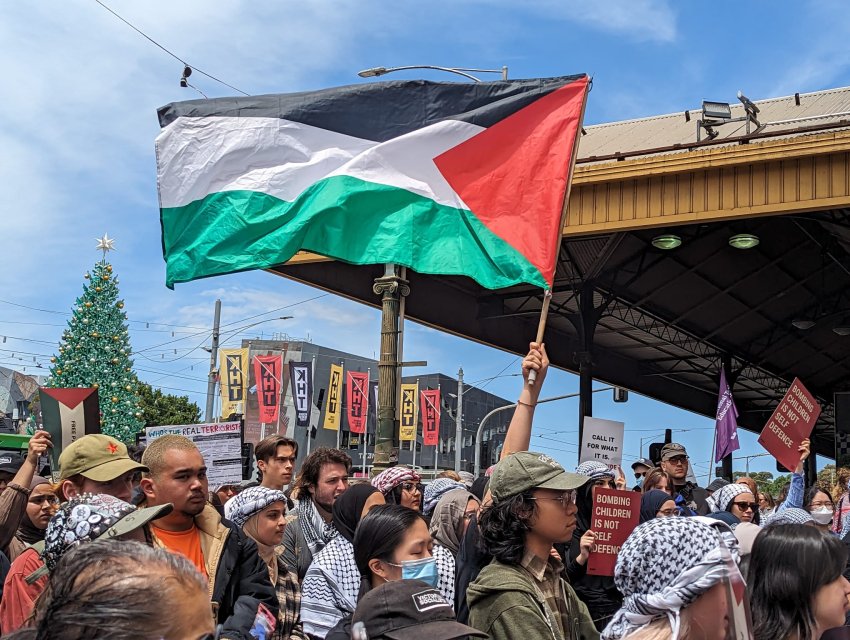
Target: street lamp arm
380 71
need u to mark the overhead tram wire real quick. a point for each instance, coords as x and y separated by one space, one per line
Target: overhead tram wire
172 54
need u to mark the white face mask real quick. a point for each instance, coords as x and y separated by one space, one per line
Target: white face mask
822 515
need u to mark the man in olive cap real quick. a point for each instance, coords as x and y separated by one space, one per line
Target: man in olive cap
674 460
97 463
521 593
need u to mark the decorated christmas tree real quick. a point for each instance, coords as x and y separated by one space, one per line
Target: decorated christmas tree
95 351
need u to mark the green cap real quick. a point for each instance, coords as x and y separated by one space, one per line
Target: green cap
137 519
97 457
526 470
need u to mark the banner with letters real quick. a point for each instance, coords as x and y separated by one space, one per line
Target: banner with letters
220 444
602 441
267 374
333 404
614 516
357 391
301 381
233 371
430 417
791 422
409 412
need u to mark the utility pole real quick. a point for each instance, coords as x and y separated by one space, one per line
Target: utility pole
459 420
213 363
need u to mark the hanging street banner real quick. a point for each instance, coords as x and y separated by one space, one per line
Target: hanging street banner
233 371
267 374
219 442
301 380
791 423
602 440
442 177
68 414
409 412
615 515
333 404
357 390
430 417
726 422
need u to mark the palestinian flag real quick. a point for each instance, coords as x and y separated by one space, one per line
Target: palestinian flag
444 178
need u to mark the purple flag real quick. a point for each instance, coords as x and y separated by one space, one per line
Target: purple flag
726 427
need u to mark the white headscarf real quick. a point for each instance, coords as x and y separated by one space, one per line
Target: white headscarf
720 499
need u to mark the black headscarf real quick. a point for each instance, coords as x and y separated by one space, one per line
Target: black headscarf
27 531
651 502
349 506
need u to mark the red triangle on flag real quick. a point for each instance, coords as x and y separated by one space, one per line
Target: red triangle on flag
69 397
513 176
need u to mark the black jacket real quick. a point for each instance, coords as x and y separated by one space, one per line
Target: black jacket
693 497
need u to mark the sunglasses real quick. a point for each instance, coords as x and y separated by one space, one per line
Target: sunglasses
678 459
411 486
743 506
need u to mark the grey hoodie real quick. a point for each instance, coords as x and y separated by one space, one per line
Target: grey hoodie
505 603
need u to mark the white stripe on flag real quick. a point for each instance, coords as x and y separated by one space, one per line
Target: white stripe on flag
73 423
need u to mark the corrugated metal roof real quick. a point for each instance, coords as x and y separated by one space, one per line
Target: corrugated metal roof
671 129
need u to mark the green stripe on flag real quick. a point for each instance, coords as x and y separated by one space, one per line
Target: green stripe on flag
341 217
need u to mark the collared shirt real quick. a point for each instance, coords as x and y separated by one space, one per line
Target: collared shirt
289 596
547 575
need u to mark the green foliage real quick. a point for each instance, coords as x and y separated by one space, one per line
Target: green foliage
160 408
826 478
95 352
765 481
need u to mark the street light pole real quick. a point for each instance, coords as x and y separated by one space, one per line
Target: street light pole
213 362
459 420
374 72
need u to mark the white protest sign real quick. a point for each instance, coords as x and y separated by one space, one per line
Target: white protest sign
220 444
602 440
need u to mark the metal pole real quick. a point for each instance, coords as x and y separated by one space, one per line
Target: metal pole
339 426
208 414
504 73
588 326
365 434
390 287
459 420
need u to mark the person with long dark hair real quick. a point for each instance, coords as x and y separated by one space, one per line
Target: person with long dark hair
797 590
738 500
821 507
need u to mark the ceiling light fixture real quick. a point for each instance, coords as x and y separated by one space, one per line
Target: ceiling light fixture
802 324
744 241
841 331
666 242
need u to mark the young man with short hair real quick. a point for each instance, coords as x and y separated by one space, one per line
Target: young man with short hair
521 593
276 457
323 478
674 461
97 463
238 578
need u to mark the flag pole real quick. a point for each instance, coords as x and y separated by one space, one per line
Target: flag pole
547 297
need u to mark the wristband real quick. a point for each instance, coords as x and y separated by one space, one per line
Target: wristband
526 404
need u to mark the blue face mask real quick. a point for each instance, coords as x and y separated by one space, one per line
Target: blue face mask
424 569
640 481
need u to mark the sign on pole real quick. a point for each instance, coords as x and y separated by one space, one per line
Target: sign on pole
615 515
791 423
301 379
267 373
220 443
333 404
358 402
409 412
602 440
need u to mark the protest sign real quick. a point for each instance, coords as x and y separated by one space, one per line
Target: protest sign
615 515
791 423
220 443
602 440
68 414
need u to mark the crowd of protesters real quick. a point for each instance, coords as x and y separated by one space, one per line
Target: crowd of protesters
143 547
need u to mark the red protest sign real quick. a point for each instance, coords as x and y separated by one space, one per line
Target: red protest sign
615 515
358 401
791 423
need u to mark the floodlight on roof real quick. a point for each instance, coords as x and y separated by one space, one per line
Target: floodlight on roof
744 241
716 110
666 242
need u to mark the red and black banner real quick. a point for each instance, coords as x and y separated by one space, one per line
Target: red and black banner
267 376
357 389
430 417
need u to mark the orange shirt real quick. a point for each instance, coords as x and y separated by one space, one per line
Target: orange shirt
186 543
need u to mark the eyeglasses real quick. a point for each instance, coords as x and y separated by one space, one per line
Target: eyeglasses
566 499
822 504
678 459
743 506
411 487
668 513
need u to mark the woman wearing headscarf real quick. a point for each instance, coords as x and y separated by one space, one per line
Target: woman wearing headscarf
448 526
41 503
261 513
400 485
736 499
657 504
329 591
670 572
436 490
597 592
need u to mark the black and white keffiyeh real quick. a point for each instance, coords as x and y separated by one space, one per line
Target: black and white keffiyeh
329 590
664 566
791 515
720 499
317 532
249 502
595 470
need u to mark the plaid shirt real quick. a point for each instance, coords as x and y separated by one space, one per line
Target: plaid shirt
289 596
547 576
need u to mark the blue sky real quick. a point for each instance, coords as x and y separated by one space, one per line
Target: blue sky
78 121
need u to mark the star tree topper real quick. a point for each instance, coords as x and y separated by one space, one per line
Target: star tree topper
105 244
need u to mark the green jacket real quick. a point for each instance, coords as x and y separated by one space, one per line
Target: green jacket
505 603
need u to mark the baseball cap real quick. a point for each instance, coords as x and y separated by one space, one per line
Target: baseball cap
646 462
671 450
526 470
10 462
97 457
410 610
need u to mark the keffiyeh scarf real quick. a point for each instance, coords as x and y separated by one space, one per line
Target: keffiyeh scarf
388 480
317 532
722 498
791 515
595 470
436 490
664 566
